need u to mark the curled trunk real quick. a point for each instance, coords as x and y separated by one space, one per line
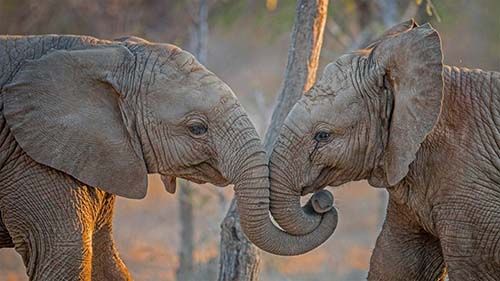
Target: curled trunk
252 194
285 199
245 164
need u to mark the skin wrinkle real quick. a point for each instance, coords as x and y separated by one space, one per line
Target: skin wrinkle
163 164
176 155
146 142
295 165
234 117
147 114
170 142
134 88
372 98
228 135
217 132
281 178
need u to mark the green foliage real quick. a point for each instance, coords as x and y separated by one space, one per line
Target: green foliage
226 13
8 6
344 13
268 23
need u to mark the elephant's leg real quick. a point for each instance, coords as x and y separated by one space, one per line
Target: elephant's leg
52 251
50 217
404 251
106 262
67 257
5 239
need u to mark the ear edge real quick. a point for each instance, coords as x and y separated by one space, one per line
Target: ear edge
393 31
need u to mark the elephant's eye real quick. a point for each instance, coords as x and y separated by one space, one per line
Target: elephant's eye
322 136
198 129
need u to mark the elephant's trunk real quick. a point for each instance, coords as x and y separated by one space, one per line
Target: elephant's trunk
252 194
285 197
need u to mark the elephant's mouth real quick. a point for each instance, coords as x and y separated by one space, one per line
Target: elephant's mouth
324 179
205 172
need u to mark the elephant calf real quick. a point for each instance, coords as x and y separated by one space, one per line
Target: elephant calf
429 133
83 120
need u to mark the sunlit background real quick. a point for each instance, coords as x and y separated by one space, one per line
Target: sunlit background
247 48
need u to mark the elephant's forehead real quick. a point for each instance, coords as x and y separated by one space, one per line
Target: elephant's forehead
341 110
174 103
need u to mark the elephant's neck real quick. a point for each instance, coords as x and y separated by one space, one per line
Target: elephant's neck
469 123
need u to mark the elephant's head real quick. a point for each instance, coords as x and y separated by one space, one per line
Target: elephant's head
109 114
364 119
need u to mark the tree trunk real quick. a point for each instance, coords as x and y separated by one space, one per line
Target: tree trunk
302 65
239 258
198 46
199 31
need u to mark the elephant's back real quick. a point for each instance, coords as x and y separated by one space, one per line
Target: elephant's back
15 50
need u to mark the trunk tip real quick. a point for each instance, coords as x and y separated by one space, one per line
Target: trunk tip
322 201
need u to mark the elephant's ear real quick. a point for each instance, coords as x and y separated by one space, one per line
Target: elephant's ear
66 111
413 66
393 31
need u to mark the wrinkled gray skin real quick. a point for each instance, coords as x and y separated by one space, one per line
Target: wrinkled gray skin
395 115
83 120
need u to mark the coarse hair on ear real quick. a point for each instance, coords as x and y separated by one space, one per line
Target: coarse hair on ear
66 111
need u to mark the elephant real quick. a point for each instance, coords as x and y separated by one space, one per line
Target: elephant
84 120
429 134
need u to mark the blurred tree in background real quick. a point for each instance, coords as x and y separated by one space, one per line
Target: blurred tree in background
247 48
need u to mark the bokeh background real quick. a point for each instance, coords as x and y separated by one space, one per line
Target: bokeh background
247 47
